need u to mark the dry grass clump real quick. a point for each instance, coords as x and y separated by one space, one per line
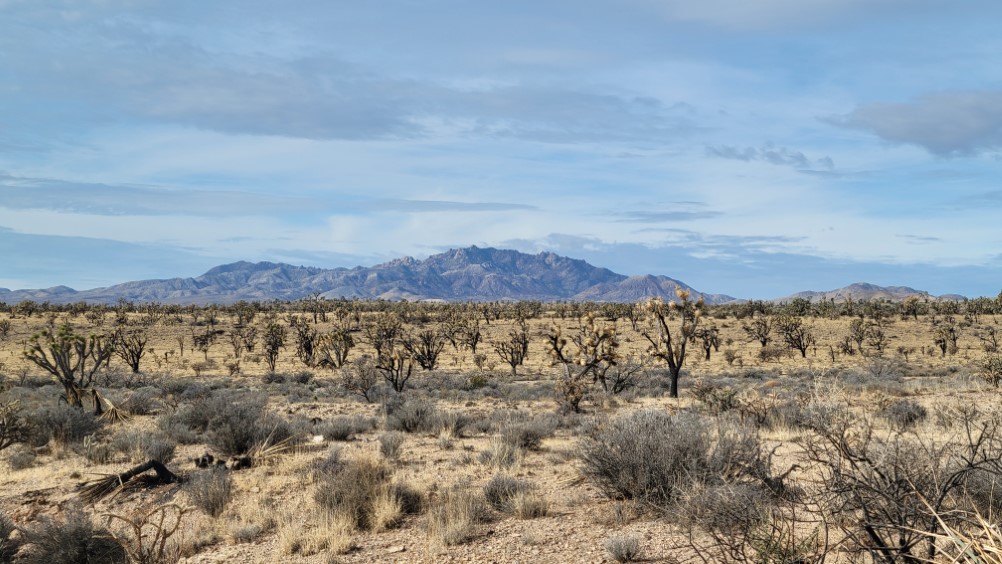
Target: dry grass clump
333 533
978 540
501 454
517 496
72 539
345 427
362 490
210 490
530 504
455 516
391 443
251 520
350 495
142 445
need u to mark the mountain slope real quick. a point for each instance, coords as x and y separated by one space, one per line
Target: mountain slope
474 274
858 291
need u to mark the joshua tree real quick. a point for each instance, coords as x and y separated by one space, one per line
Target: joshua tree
760 329
595 351
274 341
333 348
667 343
515 348
306 341
709 339
130 347
796 335
71 358
425 347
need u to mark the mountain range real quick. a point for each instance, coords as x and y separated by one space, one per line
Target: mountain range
862 290
468 274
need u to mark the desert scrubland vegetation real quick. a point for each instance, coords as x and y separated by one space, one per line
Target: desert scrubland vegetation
329 431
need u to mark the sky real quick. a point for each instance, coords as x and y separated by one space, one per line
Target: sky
748 148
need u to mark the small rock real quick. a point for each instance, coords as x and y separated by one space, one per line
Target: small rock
396 549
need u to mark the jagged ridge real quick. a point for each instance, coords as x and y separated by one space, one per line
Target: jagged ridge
474 274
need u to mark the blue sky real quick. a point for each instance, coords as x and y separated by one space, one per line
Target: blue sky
748 148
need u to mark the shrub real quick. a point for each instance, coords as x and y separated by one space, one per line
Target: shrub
500 453
235 422
716 399
142 401
390 444
210 490
456 514
984 491
452 423
360 490
623 548
328 465
904 413
71 540
652 456
13 426
8 544
61 423
21 457
351 489
141 446
344 427
95 451
530 504
723 510
172 424
529 434
411 415
907 486
500 491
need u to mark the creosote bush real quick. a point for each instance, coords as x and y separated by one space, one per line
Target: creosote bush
61 423
652 456
232 422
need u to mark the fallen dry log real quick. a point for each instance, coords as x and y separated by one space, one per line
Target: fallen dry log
134 478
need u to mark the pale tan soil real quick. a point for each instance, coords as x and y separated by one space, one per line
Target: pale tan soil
580 519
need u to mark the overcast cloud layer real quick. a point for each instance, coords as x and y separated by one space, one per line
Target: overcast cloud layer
754 149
